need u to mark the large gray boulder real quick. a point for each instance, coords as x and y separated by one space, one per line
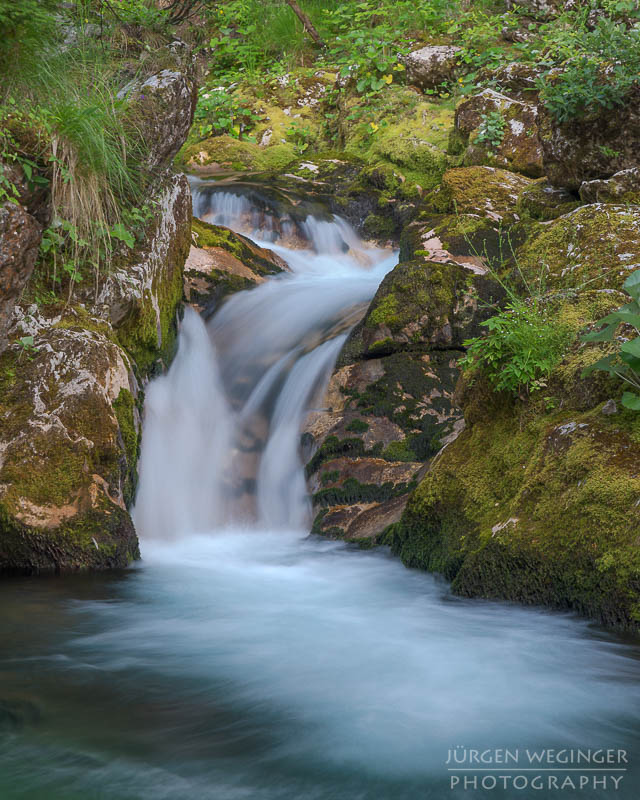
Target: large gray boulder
432 65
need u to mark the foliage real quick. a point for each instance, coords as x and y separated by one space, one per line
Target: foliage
218 111
524 343
625 361
491 130
597 69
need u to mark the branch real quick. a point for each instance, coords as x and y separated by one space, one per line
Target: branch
306 22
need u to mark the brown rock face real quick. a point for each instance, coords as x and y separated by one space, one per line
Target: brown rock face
594 148
19 241
519 148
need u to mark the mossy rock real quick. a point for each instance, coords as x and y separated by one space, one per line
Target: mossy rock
69 435
403 130
423 303
542 201
593 247
540 509
226 154
486 191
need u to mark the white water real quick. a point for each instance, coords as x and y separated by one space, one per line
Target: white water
244 660
222 428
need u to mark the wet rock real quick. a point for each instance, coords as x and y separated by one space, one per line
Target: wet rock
432 65
591 148
223 262
623 187
519 150
20 235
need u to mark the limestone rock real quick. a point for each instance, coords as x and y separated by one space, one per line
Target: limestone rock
20 235
432 65
161 108
520 149
516 79
623 187
68 447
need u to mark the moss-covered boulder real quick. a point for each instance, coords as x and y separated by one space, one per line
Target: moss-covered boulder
423 304
538 508
226 154
68 438
591 148
487 191
513 143
621 188
542 201
222 262
593 247
402 130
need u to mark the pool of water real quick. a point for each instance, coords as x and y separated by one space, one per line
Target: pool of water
273 665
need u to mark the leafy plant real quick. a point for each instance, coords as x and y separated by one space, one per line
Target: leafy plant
624 363
218 111
523 345
491 130
596 69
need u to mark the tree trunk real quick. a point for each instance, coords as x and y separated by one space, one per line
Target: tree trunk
306 22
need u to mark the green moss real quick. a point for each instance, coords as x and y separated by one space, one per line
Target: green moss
124 408
399 451
352 491
485 191
594 247
234 155
528 510
358 426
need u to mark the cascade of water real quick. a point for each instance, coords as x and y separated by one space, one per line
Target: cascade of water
222 428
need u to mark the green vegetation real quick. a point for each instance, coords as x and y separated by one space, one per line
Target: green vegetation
524 343
624 363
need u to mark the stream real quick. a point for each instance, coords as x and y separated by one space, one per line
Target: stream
243 658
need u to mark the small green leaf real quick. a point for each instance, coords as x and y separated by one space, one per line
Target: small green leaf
631 400
632 284
120 232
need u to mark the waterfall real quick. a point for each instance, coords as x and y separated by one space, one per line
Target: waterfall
222 427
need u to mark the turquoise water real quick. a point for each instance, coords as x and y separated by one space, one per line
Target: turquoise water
249 664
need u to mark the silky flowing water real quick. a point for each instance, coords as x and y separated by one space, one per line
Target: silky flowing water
243 658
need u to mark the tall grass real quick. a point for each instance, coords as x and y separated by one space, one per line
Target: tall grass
59 107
